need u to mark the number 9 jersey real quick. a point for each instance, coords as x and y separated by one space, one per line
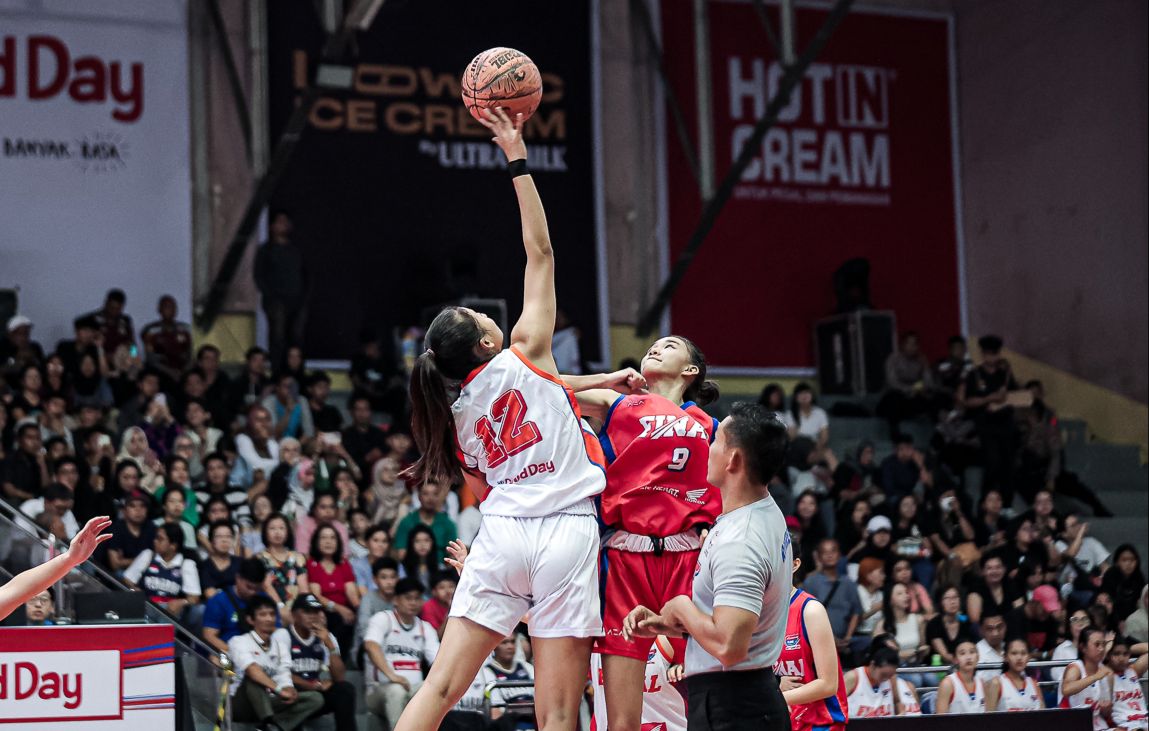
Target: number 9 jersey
522 429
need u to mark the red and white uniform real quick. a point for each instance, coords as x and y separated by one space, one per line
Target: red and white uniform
907 698
967 699
797 660
656 498
869 700
1012 698
1098 691
1129 701
537 550
663 708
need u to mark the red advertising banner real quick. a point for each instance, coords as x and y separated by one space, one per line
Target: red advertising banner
98 677
860 164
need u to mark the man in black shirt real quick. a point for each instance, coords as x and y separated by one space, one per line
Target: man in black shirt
250 386
364 441
87 331
25 472
217 384
131 535
1037 620
984 395
324 416
282 280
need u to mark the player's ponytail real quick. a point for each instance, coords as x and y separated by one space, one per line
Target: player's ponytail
701 390
450 356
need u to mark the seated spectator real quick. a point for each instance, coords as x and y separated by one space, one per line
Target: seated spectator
84 344
990 526
346 491
951 371
950 627
160 427
216 483
907 627
290 415
27 400
203 436
89 387
1083 558
134 446
401 445
365 442
811 524
278 483
218 572
946 525
869 688
506 665
40 610
252 385
971 697
262 690
397 642
314 651
871 579
418 560
294 363
773 399
381 598
325 417
902 472
54 421
131 535
839 594
1027 549
57 504
805 418
115 327
217 385
24 472
375 374
1088 681
19 350
1036 621
858 478
330 578
387 500
251 536
284 565
324 511
217 510
1124 580
378 542
257 447
877 542
1067 648
140 390
993 595
1137 623
920 601
178 479
432 497
224 616
172 509
910 389
357 525
984 397
991 647
167 342
435 609
169 580
853 517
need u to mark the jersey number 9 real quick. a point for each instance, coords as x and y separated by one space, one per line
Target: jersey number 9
679 459
514 433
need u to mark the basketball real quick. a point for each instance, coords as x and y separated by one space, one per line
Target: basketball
502 77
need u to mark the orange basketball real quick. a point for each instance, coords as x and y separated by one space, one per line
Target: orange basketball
502 77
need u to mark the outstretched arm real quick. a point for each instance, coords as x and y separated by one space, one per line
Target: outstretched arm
535 329
35 580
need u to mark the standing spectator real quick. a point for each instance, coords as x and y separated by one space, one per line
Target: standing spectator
1036 621
167 343
25 471
115 328
216 483
953 369
435 609
19 350
169 580
365 442
86 331
284 565
218 572
910 389
224 616
262 690
313 650
282 280
329 576
951 627
397 642
1124 580
991 646
993 595
217 384
1137 623
381 598
432 497
839 594
324 416
984 396
251 385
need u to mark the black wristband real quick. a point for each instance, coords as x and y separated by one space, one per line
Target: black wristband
515 168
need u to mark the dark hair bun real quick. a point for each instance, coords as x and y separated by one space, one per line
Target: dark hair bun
706 393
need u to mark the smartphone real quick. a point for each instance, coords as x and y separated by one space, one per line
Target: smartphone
161 399
331 438
103 441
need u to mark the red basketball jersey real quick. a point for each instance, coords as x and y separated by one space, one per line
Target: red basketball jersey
656 454
797 659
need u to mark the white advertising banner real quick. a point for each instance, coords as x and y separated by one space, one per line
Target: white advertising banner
95 180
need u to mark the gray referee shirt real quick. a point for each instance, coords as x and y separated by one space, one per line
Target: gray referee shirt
746 563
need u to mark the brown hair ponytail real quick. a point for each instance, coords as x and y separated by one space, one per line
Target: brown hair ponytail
701 390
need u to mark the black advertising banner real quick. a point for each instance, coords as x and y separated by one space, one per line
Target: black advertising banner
400 200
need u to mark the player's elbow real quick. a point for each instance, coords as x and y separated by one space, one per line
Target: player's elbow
733 651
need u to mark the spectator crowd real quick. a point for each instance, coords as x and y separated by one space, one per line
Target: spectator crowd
252 512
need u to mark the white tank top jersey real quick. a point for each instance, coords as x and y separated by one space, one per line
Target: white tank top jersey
521 428
1088 697
909 702
868 701
1129 701
663 708
1012 699
406 648
966 699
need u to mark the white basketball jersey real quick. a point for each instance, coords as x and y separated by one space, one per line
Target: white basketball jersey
966 699
910 705
406 648
1089 697
1012 699
663 708
868 701
521 428
1128 701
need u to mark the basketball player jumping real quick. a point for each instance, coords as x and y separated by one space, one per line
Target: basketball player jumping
514 434
29 583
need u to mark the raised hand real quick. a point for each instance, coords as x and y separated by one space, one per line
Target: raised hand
508 135
91 535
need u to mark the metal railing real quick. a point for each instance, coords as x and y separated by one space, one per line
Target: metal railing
24 544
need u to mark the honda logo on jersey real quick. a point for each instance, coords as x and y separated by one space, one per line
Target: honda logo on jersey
661 426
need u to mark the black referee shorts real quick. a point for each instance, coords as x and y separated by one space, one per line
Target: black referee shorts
747 700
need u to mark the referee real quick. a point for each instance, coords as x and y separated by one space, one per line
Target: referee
737 618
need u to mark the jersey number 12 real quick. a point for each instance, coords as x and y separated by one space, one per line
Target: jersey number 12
513 434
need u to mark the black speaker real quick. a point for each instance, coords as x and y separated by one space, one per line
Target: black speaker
852 351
